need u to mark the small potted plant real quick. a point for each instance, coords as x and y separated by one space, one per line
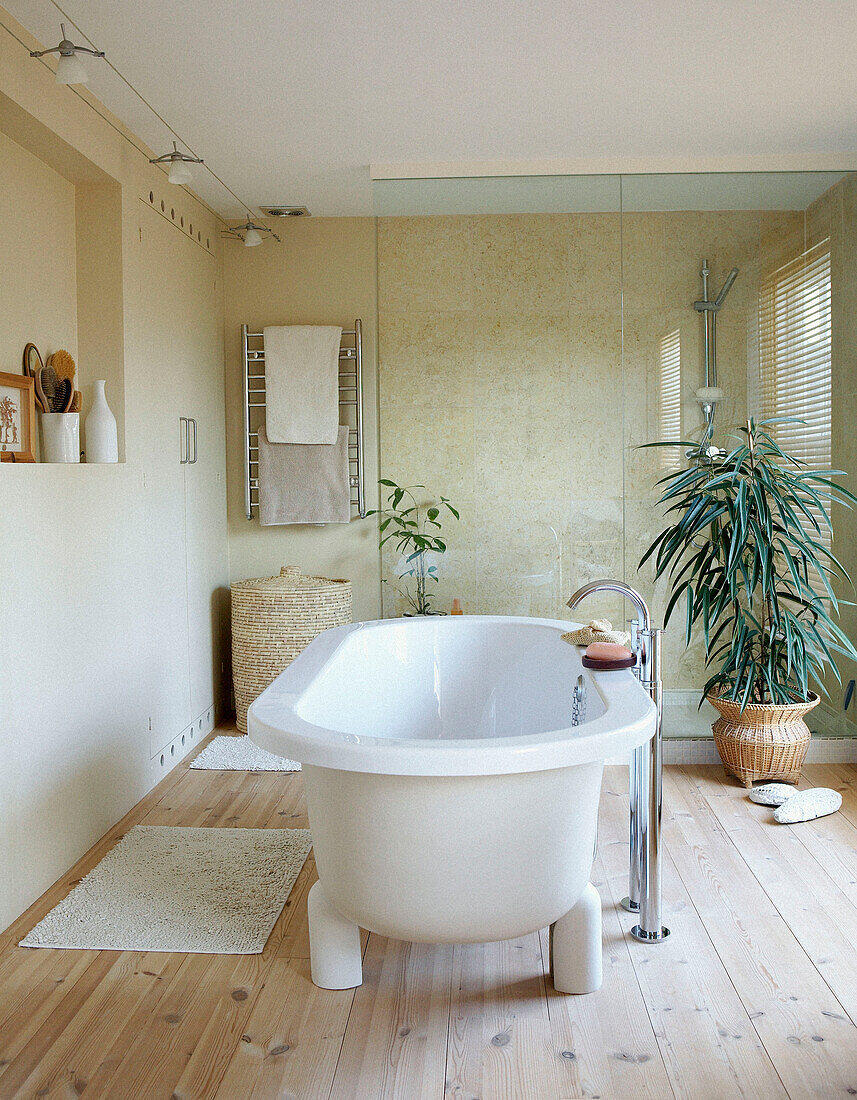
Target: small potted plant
747 549
416 529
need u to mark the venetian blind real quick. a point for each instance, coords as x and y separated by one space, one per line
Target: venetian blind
795 354
795 357
669 409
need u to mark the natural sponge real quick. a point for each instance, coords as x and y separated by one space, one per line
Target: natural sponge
599 630
63 365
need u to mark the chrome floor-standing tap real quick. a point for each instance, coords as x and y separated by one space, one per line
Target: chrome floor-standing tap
644 878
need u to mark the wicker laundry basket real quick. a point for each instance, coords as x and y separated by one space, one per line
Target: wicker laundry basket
273 619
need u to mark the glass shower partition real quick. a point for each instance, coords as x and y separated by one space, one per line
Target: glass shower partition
536 331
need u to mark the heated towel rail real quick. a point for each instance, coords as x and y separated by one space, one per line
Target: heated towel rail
350 404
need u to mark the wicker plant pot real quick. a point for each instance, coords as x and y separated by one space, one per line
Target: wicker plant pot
765 741
273 620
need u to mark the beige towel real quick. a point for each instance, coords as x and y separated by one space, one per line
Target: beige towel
304 482
302 383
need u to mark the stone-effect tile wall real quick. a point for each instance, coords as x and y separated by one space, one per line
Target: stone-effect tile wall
500 365
509 383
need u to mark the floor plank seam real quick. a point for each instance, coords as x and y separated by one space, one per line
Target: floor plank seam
783 917
737 992
777 909
628 943
345 1029
682 770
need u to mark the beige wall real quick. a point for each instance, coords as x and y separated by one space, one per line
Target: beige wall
323 272
834 215
100 305
94 654
37 250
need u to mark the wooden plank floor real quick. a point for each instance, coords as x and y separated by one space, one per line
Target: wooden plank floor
753 996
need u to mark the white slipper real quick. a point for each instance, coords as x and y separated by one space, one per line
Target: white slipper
807 805
772 794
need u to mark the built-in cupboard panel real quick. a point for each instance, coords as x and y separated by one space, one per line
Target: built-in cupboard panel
95 560
186 453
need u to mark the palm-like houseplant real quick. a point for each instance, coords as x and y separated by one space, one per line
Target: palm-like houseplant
417 531
747 551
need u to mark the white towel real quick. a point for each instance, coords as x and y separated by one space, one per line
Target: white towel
302 383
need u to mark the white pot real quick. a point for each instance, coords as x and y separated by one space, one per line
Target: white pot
100 429
60 437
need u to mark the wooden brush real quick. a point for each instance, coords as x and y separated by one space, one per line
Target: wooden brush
44 398
53 393
63 395
63 365
75 402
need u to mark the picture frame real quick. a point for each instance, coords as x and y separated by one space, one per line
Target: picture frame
17 418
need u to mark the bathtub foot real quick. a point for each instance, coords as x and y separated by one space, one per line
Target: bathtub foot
576 965
334 945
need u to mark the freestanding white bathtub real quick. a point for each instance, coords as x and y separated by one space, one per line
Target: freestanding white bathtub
450 797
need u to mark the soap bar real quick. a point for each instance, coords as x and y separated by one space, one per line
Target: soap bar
604 656
608 651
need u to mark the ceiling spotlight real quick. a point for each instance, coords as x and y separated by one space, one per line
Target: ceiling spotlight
178 162
285 211
250 233
70 69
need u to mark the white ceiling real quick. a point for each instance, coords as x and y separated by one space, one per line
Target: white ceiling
290 101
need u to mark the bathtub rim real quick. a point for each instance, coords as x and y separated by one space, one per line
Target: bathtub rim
628 721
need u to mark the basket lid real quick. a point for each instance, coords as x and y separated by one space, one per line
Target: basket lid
289 579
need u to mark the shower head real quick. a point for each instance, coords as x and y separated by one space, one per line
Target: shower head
727 286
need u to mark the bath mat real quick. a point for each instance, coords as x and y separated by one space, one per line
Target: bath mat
240 754
164 888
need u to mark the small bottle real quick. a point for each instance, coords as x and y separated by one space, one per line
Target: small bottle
456 607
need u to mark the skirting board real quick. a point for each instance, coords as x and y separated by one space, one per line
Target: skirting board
685 720
702 750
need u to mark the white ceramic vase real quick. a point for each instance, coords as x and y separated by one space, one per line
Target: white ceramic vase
100 427
61 437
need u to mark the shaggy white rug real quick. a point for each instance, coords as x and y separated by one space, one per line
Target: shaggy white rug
163 888
240 754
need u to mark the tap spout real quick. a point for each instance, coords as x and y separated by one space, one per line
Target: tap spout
642 608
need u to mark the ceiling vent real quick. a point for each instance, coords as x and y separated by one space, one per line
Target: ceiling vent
285 211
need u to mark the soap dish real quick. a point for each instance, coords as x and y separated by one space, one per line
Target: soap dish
607 666
605 656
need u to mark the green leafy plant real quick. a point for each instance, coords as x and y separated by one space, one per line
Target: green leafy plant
416 529
746 549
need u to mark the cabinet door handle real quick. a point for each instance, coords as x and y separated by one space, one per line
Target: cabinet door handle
184 441
194 451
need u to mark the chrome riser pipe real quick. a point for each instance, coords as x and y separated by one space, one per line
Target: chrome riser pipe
650 798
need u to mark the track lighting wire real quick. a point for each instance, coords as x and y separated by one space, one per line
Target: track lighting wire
68 18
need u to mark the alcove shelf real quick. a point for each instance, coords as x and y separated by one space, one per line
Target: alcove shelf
64 263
